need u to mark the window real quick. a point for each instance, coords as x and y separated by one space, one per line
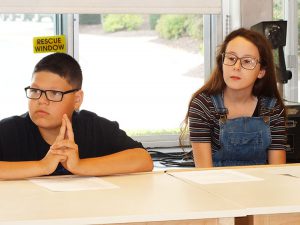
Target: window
298 46
287 10
278 9
138 78
16 38
141 70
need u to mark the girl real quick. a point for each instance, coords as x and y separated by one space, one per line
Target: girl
238 117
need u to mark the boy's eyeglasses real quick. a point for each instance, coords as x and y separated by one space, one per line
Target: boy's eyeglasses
247 62
51 95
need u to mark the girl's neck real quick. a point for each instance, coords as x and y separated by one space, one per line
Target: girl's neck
239 103
239 97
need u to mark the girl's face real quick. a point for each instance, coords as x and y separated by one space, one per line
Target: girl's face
48 114
235 76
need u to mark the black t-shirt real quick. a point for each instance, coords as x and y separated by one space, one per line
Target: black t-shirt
20 139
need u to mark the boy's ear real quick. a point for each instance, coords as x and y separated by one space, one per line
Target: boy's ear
78 99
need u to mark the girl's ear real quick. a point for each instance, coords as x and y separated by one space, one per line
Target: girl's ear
261 74
78 99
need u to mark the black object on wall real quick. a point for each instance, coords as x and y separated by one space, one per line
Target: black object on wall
275 32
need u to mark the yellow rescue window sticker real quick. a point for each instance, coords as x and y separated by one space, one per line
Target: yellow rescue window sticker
49 44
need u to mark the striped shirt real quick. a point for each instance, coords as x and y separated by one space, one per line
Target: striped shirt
204 123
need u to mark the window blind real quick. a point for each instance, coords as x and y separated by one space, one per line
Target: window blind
111 6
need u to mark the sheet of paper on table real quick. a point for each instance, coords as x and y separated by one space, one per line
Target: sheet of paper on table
215 176
72 183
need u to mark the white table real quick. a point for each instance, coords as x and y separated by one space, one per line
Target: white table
275 200
147 198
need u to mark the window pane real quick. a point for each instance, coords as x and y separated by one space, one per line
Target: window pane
17 57
278 10
298 49
141 70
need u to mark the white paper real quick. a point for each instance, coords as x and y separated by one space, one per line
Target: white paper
72 183
215 176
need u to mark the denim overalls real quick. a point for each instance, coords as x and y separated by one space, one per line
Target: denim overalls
243 140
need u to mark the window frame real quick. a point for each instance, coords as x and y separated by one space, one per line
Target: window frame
291 89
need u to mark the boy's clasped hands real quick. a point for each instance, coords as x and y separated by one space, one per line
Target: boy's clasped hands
64 150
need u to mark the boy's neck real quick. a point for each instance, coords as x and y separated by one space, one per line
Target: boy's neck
49 135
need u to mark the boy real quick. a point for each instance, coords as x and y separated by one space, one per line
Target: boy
54 137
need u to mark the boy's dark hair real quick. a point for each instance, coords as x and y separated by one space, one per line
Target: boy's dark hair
63 65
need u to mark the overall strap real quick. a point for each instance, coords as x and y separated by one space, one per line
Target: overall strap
267 107
219 106
268 104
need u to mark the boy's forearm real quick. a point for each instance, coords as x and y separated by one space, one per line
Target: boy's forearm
127 161
19 170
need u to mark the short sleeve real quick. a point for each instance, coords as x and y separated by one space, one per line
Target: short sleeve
278 129
97 136
1 148
119 139
200 119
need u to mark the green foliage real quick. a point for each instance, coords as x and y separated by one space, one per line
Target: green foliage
298 25
277 9
176 26
194 27
117 22
153 20
171 26
152 132
89 19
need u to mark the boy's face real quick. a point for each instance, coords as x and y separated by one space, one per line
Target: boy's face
48 114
